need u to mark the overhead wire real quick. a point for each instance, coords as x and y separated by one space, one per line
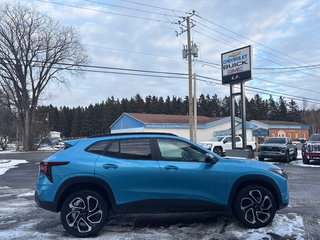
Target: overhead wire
107 12
254 41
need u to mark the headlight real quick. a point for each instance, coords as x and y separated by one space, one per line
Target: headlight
279 171
209 146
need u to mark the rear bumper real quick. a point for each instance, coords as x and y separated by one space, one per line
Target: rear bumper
51 206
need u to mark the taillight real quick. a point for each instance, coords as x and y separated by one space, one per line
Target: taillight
45 168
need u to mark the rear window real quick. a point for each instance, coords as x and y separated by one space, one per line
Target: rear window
98 147
314 138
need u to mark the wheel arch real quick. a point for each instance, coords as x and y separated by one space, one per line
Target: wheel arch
255 180
77 183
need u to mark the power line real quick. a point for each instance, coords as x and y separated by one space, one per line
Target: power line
130 51
218 81
130 8
263 45
107 12
152 6
258 56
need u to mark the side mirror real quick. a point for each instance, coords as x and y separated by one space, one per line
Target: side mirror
225 141
210 159
289 142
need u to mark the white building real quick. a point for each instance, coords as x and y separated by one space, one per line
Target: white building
177 124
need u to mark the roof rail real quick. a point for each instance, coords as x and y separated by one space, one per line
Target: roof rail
131 133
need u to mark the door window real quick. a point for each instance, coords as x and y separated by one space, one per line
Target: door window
130 149
175 150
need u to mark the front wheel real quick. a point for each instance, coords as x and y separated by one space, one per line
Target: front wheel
295 155
84 213
254 207
218 150
305 160
287 158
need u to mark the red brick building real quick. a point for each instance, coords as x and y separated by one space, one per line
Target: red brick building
292 130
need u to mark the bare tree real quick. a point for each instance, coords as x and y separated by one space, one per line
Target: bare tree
34 50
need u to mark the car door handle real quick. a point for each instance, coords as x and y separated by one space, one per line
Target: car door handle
110 166
171 167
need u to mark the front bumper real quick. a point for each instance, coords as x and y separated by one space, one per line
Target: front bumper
311 154
272 154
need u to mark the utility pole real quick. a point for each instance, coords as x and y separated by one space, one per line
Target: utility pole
191 128
189 51
195 107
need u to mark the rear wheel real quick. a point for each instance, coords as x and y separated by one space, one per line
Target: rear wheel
84 213
254 207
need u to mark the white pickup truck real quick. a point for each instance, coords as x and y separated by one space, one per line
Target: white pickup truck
220 144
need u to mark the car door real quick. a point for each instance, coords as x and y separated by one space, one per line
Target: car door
227 143
187 180
131 172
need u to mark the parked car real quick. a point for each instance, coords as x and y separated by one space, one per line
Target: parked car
279 148
91 179
220 144
311 149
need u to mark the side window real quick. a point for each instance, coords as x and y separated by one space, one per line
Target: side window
227 140
175 150
98 147
135 149
113 150
238 139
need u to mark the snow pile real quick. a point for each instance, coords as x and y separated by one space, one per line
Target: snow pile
289 226
6 164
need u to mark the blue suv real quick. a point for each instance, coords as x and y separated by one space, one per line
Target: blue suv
91 179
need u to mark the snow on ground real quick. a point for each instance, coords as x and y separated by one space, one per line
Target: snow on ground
312 164
21 219
6 164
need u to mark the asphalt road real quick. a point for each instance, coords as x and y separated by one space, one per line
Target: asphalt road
304 189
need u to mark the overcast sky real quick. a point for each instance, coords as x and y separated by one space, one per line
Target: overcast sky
141 34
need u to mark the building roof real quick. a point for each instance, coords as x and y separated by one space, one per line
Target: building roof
169 119
270 122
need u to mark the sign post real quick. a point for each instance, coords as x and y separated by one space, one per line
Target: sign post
236 68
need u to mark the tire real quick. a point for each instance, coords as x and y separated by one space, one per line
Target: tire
287 158
218 150
305 160
84 213
295 155
261 159
254 207
249 148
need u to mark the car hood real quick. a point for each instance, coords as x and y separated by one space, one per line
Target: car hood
248 163
273 144
208 142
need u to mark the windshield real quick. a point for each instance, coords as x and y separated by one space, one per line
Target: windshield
276 140
314 138
216 139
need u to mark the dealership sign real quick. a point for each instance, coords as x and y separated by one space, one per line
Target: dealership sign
236 65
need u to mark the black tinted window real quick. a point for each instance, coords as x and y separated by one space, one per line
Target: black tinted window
135 149
314 138
113 150
98 147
